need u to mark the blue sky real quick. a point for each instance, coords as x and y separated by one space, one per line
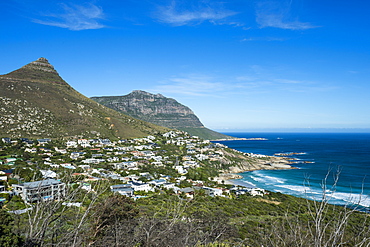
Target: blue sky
238 64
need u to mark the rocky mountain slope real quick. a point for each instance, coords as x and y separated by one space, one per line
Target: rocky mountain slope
153 108
36 102
160 110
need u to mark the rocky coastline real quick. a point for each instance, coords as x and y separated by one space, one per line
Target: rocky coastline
247 163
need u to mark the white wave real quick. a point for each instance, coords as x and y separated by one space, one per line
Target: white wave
332 196
260 180
275 179
351 198
309 192
297 188
251 183
245 182
267 179
312 192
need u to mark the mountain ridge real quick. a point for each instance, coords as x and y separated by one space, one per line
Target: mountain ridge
159 110
36 102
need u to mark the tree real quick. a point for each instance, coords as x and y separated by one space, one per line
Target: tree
51 223
7 237
108 218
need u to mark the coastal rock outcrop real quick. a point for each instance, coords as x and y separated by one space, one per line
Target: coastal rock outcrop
239 162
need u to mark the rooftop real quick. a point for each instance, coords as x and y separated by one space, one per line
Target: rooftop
41 183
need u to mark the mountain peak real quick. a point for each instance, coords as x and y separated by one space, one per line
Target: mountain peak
43 65
40 70
141 92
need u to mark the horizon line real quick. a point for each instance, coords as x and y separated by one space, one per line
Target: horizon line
292 130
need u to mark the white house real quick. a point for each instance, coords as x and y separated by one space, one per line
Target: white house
48 174
181 170
169 186
31 150
62 151
71 144
92 161
83 143
190 163
85 167
213 191
158 182
201 157
137 186
68 166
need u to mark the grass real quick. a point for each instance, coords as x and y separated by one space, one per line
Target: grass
57 110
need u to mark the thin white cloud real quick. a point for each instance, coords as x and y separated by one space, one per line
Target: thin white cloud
257 81
75 17
277 21
262 80
180 14
278 14
194 85
201 86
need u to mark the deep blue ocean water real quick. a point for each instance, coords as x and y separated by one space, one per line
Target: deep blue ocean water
321 155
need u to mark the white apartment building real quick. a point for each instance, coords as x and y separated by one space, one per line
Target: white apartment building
49 189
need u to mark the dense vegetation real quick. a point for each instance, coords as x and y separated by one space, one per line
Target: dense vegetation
168 220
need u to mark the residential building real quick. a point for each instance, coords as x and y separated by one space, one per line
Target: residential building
48 174
158 182
49 189
213 191
123 189
44 141
7 140
137 186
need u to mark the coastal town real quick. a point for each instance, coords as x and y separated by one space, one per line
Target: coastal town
174 162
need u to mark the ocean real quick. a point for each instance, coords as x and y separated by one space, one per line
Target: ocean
322 161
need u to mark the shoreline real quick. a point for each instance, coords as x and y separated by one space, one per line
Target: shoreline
250 163
293 157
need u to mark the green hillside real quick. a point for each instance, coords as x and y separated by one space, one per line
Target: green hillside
36 102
